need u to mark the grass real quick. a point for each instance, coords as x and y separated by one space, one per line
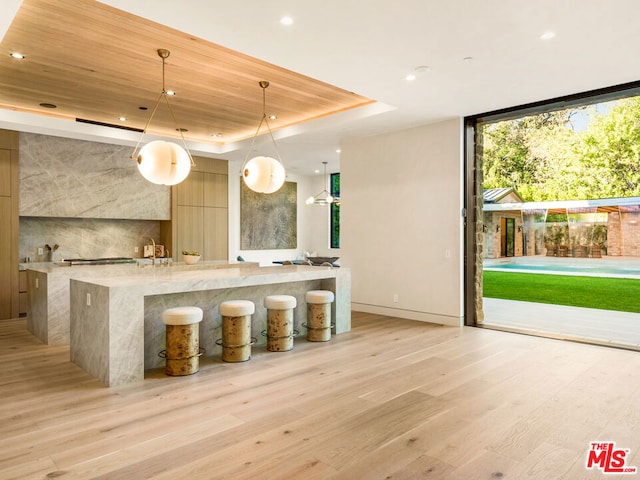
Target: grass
621 294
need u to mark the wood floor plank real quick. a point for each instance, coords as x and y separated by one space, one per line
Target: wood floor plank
393 398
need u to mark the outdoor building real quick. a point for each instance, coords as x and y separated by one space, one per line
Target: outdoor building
566 228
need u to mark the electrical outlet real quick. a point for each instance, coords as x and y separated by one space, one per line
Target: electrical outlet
88 299
395 298
447 253
135 249
37 286
40 251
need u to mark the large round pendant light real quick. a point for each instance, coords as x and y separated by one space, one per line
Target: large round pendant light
160 162
164 163
263 174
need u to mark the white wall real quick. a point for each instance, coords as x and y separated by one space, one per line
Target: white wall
313 222
402 226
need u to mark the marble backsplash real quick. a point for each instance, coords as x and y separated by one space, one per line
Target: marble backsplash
84 238
68 178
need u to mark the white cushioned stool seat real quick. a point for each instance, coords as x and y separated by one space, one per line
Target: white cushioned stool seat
319 296
182 315
237 308
280 302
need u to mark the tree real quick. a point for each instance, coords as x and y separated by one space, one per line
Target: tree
544 158
529 154
610 151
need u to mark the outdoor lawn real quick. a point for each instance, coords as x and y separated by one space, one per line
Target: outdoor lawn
620 294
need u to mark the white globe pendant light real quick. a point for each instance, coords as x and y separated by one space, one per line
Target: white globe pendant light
263 174
161 162
164 163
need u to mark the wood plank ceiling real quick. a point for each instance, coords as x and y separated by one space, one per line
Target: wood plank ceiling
98 63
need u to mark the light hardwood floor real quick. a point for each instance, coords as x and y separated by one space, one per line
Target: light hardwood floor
392 399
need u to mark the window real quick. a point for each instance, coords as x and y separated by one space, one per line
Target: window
334 225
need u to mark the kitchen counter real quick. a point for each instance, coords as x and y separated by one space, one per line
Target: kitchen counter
48 287
116 327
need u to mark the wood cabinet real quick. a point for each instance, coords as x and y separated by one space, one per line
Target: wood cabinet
9 281
200 211
5 172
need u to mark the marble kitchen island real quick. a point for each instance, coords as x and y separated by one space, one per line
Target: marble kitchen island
48 289
116 327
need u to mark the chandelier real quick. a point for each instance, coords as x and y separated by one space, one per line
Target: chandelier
324 197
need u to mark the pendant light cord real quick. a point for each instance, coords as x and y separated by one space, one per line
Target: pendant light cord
163 54
264 119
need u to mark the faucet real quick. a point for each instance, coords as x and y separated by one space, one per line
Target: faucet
153 255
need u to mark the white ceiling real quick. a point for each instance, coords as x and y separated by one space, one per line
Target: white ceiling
369 46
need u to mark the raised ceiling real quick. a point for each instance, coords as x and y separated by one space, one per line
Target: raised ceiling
97 63
368 48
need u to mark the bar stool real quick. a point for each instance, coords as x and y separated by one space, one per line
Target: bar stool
280 330
183 350
319 315
236 338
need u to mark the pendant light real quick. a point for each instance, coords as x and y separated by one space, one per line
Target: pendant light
263 174
160 162
324 197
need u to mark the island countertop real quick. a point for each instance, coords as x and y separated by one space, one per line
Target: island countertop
48 286
170 280
115 322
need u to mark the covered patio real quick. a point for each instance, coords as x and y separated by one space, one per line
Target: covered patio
568 228
588 325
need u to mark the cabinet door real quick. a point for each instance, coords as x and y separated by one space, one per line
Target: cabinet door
215 190
189 191
6 267
190 231
5 173
215 233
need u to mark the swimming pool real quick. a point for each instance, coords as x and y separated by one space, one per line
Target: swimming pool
614 271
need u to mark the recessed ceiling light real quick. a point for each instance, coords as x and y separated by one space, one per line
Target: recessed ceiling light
171 92
286 20
17 55
338 151
467 59
547 35
410 78
316 171
273 117
182 129
143 108
216 135
48 105
422 68
122 119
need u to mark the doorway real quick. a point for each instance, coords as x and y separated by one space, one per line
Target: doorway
507 237
475 227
